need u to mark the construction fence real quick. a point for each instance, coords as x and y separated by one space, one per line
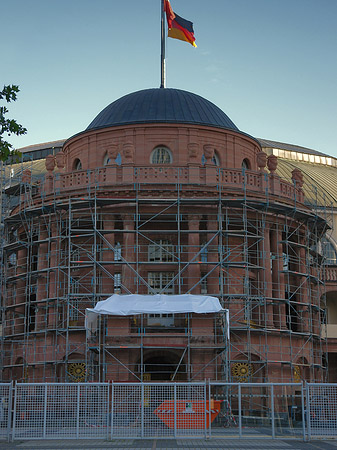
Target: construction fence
167 410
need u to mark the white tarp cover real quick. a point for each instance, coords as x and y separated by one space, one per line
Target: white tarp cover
129 305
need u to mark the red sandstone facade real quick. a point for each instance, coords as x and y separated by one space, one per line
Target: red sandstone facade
209 219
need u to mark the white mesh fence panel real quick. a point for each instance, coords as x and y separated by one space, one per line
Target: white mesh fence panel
61 411
164 410
28 422
126 410
223 413
191 407
5 409
322 410
158 408
94 410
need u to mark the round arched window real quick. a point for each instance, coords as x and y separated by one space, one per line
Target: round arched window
106 160
215 159
328 251
77 164
245 164
161 155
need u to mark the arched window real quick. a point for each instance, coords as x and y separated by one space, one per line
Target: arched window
77 164
328 251
245 164
161 155
106 161
215 159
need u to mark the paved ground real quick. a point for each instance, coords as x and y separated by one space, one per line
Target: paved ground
171 444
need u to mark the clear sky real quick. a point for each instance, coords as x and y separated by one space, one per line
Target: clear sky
270 65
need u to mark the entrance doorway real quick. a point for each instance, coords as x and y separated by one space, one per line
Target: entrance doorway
163 366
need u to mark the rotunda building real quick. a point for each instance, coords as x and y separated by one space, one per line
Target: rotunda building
162 193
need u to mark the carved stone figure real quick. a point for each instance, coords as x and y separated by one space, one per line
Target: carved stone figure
208 152
193 150
60 160
297 177
50 163
26 176
128 151
112 151
272 163
261 160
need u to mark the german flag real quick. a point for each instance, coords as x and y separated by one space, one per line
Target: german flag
178 28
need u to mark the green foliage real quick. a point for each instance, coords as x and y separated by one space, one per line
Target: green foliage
8 126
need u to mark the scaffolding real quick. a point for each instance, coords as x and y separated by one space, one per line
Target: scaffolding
65 249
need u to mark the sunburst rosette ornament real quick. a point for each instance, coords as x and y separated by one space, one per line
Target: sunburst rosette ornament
77 371
242 371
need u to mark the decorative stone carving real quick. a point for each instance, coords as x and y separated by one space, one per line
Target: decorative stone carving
112 151
297 177
193 150
208 152
50 163
272 163
128 151
261 160
108 147
26 176
60 160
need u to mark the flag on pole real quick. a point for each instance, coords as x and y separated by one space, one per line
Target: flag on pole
178 28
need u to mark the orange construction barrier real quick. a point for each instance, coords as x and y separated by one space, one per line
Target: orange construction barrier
190 414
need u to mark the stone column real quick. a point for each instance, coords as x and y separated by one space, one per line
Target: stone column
269 320
128 249
21 291
42 293
193 248
52 288
303 289
278 279
213 256
109 256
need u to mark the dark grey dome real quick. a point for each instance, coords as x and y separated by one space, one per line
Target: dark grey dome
162 106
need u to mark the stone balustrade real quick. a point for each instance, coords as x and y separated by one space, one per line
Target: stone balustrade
228 179
330 273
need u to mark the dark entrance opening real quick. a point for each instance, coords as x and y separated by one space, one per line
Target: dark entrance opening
162 367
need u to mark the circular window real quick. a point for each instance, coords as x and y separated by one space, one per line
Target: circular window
161 155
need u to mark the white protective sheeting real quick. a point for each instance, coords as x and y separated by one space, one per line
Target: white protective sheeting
130 305
133 304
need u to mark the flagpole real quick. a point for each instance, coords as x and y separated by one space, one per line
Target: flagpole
163 75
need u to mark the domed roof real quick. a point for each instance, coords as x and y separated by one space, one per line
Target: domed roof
162 106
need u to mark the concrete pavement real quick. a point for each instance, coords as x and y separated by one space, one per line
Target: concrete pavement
171 444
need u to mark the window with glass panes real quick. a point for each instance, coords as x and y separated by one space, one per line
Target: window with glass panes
161 155
158 282
161 251
117 283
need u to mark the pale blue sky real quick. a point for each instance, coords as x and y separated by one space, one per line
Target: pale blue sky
270 65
